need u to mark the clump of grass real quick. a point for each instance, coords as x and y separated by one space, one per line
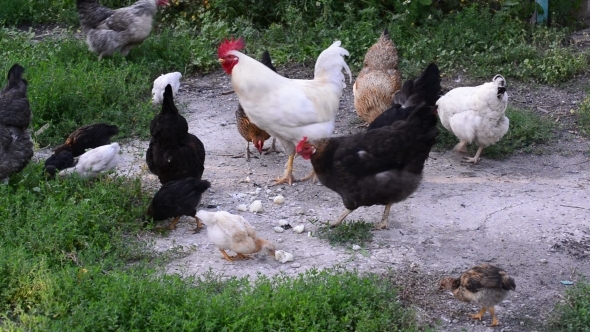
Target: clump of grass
583 115
526 132
574 314
346 234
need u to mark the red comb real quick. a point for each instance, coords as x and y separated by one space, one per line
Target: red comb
301 144
230 45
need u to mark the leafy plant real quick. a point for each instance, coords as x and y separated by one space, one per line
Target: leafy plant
348 233
574 314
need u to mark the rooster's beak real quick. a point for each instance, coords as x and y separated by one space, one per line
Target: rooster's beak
221 61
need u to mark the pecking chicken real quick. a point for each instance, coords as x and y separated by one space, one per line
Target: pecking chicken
108 31
426 88
378 81
232 232
173 153
249 131
381 166
178 198
95 161
287 109
160 85
57 162
486 285
16 147
88 137
476 114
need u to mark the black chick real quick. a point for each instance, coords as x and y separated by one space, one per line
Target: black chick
425 89
173 152
178 198
58 161
88 137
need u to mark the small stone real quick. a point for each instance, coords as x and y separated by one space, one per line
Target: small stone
299 229
300 211
543 260
283 256
279 229
356 247
295 265
279 199
256 206
283 222
242 207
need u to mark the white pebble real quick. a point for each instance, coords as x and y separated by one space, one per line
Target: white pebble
356 247
299 229
283 256
283 222
248 179
279 199
256 206
279 229
242 207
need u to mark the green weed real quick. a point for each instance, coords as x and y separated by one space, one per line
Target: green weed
346 234
583 115
526 132
574 314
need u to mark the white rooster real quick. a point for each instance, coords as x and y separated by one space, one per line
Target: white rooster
232 232
287 109
95 161
160 84
476 114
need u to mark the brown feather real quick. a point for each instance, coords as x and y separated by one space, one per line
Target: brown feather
379 79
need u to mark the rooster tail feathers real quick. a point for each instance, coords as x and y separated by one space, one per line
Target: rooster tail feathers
425 88
168 104
330 63
267 61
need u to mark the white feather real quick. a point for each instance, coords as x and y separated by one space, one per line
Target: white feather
160 84
95 161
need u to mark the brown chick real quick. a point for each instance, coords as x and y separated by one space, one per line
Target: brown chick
249 131
485 285
378 81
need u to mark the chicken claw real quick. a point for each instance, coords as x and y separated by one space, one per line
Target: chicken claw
479 315
383 223
226 256
242 256
172 225
199 226
476 158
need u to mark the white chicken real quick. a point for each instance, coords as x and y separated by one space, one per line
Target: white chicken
160 84
232 232
476 114
95 161
287 109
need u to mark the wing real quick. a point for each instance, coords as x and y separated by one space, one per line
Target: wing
15 112
481 277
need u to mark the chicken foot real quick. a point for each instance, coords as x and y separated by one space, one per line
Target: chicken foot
226 256
288 177
461 147
475 159
199 225
383 223
479 315
173 223
339 221
242 256
273 147
495 321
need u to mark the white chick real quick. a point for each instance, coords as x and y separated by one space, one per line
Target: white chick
232 232
160 84
95 161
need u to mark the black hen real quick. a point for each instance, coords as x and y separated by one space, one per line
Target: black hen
425 89
16 147
88 137
176 199
173 152
381 166
57 162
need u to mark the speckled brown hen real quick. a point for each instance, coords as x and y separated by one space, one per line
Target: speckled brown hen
249 131
484 284
378 81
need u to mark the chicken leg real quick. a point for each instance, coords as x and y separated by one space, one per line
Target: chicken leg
288 177
475 159
242 256
479 315
173 223
495 321
226 256
272 148
199 225
460 147
383 223
339 221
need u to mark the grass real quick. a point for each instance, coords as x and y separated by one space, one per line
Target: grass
574 314
526 132
583 115
70 260
346 234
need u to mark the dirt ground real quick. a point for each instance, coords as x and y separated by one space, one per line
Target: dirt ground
529 214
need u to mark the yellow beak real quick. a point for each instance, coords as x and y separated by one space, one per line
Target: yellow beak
221 61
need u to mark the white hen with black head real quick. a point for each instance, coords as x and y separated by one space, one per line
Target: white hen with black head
476 114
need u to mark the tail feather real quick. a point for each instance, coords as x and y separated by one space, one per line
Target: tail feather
426 88
331 62
91 13
168 104
267 61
